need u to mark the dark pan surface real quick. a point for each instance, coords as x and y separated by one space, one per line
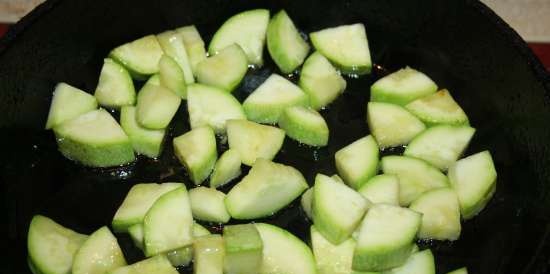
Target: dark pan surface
461 44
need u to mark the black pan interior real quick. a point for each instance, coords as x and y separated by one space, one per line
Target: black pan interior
462 45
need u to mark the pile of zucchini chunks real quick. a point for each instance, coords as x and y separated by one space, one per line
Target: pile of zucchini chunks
366 218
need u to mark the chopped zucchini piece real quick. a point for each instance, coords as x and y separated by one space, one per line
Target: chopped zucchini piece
168 223
210 106
474 180
283 252
307 197
67 103
227 168
306 201
172 44
171 76
145 141
141 57
337 179
441 145
402 87
137 202
305 125
421 262
153 80
194 45
321 81
330 258
183 256
243 249
100 253
196 150
248 30
178 257
208 253
438 108
392 125
136 233
337 209
415 176
285 44
94 139
248 199
358 162
346 46
386 238
253 140
382 189
115 87
51 246
32 267
199 230
156 106
271 98
440 214
224 70
207 204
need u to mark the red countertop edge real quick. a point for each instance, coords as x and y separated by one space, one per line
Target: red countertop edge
3 29
541 50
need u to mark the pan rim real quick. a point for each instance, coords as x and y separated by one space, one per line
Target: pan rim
509 34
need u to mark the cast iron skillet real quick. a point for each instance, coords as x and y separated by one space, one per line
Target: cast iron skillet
461 44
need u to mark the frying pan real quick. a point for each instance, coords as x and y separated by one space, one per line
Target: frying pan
461 44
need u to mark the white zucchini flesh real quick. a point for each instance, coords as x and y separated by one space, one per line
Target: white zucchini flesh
474 180
441 145
386 238
51 246
67 103
248 200
284 252
168 223
100 253
248 30
337 209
